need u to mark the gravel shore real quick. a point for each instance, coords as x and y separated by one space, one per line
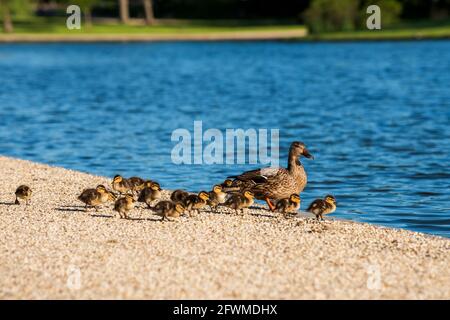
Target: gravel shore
52 249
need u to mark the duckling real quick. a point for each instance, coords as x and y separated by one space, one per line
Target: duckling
105 194
136 184
121 185
289 205
95 197
196 202
228 186
239 201
23 192
123 205
319 207
179 196
216 196
150 193
168 209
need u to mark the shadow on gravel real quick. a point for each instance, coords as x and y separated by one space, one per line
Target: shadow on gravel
7 203
69 209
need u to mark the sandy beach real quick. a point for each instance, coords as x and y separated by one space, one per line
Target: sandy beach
52 249
150 37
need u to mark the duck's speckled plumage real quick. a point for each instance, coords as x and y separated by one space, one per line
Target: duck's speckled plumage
277 183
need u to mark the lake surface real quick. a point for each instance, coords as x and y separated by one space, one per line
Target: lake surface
376 116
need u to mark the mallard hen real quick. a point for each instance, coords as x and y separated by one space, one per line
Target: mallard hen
276 183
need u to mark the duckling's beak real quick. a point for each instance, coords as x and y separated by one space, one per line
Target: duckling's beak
307 154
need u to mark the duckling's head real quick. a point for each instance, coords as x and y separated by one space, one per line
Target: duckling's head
129 198
295 198
203 195
148 183
101 188
228 183
330 199
155 186
117 179
298 148
248 194
179 207
217 188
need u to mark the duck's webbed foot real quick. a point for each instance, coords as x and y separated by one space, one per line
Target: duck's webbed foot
270 204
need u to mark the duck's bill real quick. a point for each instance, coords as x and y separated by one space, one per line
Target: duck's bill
307 154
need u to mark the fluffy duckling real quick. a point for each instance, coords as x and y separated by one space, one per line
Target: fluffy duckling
239 201
168 209
137 184
23 192
216 196
230 186
96 197
179 196
289 205
150 193
124 205
196 202
120 184
320 207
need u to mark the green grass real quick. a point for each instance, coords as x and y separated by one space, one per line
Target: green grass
404 30
58 26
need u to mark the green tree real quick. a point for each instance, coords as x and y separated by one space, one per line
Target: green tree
331 15
344 15
6 16
13 8
390 11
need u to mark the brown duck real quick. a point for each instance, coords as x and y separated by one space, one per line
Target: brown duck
277 183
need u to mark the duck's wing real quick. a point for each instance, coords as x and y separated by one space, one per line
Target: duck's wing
259 175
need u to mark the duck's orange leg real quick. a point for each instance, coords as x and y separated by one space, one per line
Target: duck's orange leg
270 204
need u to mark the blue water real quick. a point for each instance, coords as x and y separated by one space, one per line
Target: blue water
375 115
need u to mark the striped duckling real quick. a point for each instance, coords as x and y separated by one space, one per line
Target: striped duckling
195 202
96 197
217 196
320 207
168 209
151 192
23 192
289 205
121 185
124 205
240 201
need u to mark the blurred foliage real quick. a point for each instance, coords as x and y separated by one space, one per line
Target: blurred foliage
347 15
319 15
18 8
330 15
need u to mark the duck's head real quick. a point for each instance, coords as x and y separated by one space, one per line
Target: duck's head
179 208
155 186
117 179
330 199
248 194
203 195
129 198
298 149
217 188
295 198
